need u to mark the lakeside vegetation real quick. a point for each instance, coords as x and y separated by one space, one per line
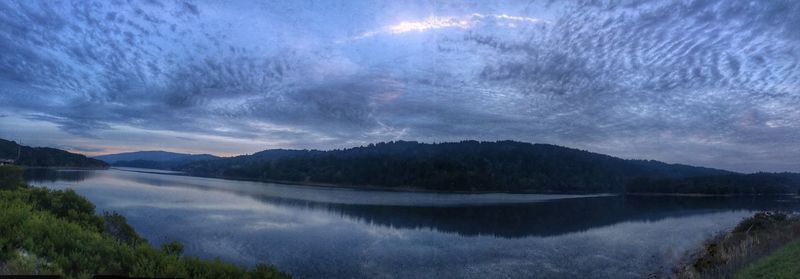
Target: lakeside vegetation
749 250
55 232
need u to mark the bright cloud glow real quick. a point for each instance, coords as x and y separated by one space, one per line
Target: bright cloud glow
441 22
512 18
430 23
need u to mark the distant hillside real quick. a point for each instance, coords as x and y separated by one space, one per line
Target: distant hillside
45 157
463 166
153 159
158 156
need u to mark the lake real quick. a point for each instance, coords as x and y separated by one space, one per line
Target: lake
315 232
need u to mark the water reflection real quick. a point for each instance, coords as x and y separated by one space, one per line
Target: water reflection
333 233
37 175
541 219
508 219
512 220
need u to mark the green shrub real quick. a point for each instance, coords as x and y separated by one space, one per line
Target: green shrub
761 221
116 226
11 177
172 248
67 205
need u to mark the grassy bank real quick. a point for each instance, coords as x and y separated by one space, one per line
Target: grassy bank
53 232
784 263
747 251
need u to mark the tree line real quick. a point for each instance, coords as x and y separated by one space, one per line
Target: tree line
45 156
473 166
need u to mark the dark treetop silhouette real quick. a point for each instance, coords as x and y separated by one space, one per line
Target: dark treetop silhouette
472 166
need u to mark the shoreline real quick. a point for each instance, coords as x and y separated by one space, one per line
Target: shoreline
699 195
64 168
410 189
731 253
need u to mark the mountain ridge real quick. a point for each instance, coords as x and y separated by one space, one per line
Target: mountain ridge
154 159
149 155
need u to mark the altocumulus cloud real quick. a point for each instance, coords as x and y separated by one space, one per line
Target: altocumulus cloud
706 82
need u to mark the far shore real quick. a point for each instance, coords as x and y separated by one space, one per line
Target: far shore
710 195
410 189
65 168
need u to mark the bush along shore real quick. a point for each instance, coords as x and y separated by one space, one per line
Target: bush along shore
55 232
765 245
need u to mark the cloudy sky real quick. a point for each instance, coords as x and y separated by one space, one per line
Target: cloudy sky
713 83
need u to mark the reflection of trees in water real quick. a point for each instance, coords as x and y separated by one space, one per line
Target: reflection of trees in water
539 219
548 218
52 175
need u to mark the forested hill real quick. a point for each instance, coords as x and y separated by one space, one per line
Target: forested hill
45 156
153 159
463 166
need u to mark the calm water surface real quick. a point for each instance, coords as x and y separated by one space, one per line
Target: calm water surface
342 233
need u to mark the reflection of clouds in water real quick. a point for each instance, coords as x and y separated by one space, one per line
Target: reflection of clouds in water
224 248
270 225
316 194
243 205
379 231
164 195
218 217
286 222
